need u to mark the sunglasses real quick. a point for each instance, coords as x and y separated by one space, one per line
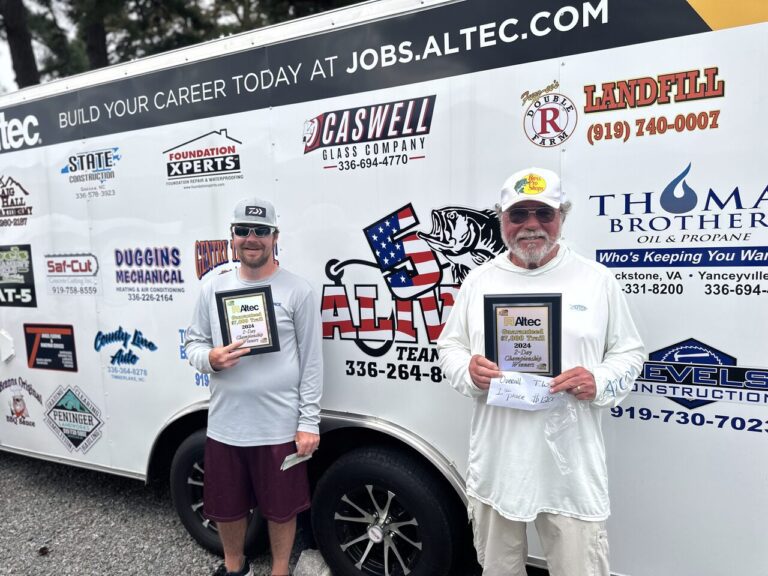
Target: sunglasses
258 231
544 214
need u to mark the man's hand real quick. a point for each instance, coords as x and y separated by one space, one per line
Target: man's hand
577 381
223 357
306 443
481 370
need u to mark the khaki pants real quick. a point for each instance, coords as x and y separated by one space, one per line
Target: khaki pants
572 547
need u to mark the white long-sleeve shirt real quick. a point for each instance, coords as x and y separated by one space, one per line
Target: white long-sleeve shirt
266 398
511 466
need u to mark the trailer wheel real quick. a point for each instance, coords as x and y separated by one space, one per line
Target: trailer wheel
187 474
380 512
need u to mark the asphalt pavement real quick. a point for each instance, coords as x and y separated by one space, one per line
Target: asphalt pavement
59 520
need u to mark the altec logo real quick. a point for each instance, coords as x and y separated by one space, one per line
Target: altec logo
15 133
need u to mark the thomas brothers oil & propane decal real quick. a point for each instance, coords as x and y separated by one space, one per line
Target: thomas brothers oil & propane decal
92 174
693 374
688 224
74 419
421 271
372 136
207 161
22 396
125 349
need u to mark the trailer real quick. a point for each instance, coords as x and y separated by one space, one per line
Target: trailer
382 133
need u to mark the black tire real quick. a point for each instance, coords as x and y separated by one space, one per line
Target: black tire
355 537
187 473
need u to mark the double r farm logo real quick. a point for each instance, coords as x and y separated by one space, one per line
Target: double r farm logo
387 134
550 118
208 160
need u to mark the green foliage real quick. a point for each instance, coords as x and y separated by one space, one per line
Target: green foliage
72 36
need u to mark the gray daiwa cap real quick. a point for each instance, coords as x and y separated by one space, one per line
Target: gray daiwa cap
254 211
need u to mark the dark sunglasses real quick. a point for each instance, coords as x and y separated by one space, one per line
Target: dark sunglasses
544 214
259 231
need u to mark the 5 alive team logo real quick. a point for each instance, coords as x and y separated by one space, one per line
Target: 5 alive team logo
684 212
73 418
550 118
21 391
421 270
15 208
205 161
17 278
387 134
694 374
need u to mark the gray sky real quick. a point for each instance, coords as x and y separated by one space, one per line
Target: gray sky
7 82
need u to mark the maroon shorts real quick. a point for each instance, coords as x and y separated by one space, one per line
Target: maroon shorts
240 478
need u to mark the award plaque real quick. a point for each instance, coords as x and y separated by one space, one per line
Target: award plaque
523 332
249 315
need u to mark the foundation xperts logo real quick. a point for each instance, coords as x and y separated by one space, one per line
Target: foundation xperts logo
550 118
15 208
210 254
74 419
684 213
208 160
423 268
50 347
387 134
17 278
18 410
694 374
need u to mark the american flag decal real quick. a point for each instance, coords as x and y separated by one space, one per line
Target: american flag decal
410 266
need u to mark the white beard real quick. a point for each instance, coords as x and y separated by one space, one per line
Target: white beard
531 256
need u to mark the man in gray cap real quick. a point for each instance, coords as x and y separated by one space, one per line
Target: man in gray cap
264 407
546 466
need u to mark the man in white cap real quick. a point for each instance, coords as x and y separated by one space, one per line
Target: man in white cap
264 407
532 465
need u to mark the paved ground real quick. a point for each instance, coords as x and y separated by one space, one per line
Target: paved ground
59 520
